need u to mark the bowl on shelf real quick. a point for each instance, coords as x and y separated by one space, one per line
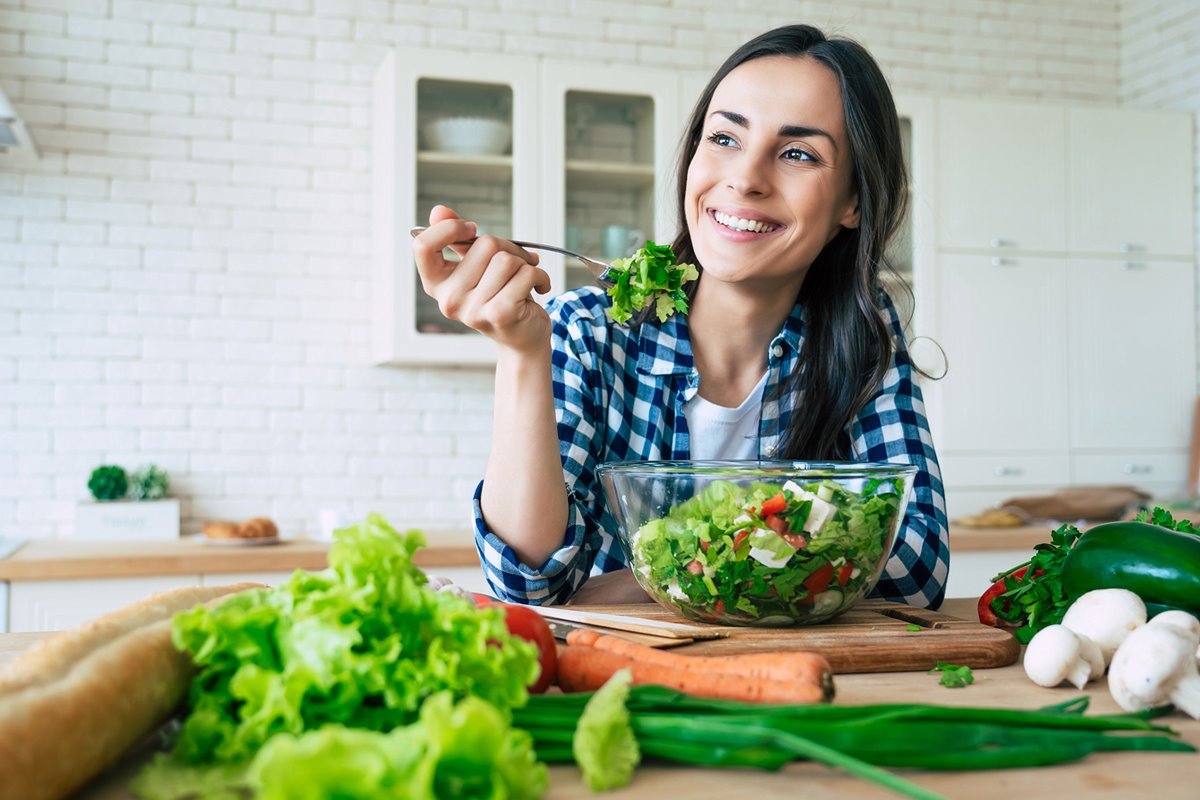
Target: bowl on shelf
467 135
767 543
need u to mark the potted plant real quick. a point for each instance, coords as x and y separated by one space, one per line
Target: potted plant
128 506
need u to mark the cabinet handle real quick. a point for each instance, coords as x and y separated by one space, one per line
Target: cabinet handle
1132 265
1006 472
1137 469
998 242
1131 247
997 261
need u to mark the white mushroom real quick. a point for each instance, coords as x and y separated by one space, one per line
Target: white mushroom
1156 665
1180 619
1056 653
1106 616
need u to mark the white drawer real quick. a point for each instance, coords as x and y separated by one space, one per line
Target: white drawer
1133 468
1005 469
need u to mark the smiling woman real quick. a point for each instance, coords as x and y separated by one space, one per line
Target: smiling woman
792 183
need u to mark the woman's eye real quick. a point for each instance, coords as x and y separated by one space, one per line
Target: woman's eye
796 154
720 139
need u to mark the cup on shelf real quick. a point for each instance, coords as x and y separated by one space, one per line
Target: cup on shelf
573 237
618 241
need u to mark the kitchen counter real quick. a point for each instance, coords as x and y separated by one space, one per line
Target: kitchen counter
1114 776
55 559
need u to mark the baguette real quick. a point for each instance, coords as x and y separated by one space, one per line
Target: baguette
78 700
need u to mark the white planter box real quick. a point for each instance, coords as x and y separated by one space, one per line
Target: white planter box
141 520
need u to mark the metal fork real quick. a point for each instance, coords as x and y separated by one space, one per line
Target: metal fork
600 269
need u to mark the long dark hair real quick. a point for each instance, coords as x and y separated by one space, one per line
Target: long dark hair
848 345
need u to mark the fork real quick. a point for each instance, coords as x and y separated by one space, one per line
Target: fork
602 270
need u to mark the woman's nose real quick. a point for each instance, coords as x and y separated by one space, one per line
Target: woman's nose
748 175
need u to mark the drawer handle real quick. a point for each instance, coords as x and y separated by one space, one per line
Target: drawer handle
1132 265
1005 472
998 242
1137 469
1132 247
997 261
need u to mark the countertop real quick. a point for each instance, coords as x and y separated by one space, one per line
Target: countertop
1113 776
56 559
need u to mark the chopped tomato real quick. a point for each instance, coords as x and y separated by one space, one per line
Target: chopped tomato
740 537
704 545
795 540
774 505
844 574
695 567
719 606
777 524
819 581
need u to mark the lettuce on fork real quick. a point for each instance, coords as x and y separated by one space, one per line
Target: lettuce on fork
649 276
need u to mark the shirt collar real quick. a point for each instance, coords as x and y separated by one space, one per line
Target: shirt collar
666 348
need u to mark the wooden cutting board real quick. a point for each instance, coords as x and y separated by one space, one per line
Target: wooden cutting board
871 637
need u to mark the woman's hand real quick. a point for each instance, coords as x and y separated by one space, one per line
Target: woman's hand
489 290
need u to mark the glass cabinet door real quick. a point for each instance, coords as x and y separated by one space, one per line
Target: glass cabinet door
606 181
460 131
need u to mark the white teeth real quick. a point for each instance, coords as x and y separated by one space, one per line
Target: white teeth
737 223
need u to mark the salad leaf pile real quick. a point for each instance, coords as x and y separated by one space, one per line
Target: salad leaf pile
649 276
353 652
769 553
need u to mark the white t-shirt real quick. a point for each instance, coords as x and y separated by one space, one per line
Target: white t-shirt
717 432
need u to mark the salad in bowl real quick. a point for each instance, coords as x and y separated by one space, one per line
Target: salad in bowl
757 542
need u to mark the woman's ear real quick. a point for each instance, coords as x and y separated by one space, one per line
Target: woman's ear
851 217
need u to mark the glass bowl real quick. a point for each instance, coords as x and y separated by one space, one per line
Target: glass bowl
768 543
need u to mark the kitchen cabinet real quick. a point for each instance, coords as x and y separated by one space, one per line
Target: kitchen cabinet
591 150
55 605
1131 182
1000 179
1064 300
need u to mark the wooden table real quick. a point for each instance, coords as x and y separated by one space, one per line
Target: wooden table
1114 776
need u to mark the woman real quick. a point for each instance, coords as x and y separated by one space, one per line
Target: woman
791 183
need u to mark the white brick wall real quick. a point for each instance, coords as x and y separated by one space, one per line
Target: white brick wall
184 276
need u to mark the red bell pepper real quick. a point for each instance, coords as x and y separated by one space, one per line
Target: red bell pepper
987 614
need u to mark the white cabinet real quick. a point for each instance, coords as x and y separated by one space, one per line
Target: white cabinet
591 149
55 605
1132 354
1131 182
1064 299
1001 183
1002 324
412 170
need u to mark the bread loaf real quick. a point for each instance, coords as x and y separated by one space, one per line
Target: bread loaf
78 700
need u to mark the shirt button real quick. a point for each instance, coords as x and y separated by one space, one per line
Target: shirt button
777 351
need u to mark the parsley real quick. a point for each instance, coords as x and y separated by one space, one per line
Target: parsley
912 627
1035 598
1162 517
953 676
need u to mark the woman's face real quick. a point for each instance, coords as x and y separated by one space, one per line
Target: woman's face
771 182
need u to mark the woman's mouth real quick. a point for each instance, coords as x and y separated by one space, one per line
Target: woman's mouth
741 224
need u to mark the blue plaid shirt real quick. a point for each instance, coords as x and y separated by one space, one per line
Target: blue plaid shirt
619 395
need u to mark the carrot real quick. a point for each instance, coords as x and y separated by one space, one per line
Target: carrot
582 669
795 665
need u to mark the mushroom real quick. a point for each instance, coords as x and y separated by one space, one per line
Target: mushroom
1106 616
1156 665
1180 619
1056 653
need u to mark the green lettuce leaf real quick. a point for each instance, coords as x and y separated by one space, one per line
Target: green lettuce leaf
361 644
649 276
604 745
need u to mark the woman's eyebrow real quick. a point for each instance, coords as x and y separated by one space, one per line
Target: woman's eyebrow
790 131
